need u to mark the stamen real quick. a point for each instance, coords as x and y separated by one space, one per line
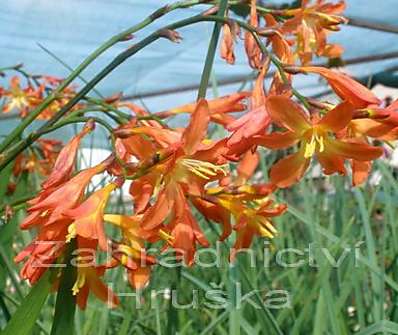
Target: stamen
71 232
203 169
310 148
79 283
165 236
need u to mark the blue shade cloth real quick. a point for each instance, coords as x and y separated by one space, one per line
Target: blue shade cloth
71 29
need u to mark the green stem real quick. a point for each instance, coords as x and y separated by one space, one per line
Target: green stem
65 305
108 44
204 82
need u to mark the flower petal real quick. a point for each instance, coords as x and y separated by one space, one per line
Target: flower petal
197 128
139 278
337 118
155 215
331 163
277 140
248 165
357 151
360 171
346 87
289 170
287 113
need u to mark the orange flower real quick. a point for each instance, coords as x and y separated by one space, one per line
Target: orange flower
381 124
65 162
315 138
251 208
39 160
52 204
88 276
17 97
250 205
89 216
44 250
345 87
131 252
311 24
187 165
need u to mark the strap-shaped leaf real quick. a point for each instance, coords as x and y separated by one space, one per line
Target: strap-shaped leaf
23 320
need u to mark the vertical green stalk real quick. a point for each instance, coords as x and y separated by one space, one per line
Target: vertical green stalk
172 315
211 51
65 305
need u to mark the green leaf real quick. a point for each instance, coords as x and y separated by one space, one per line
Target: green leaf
23 320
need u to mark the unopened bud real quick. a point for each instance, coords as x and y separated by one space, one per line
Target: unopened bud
292 69
123 133
126 38
89 126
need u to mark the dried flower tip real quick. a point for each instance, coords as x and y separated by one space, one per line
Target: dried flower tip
113 98
89 126
171 35
211 11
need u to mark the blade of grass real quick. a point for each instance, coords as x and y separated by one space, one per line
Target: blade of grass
371 246
24 319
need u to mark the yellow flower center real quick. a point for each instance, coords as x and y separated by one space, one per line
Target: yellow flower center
315 144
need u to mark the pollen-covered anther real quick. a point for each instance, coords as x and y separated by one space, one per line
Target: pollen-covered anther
71 233
165 236
79 283
311 147
266 229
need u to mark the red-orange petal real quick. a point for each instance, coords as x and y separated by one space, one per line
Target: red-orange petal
276 140
331 163
197 128
360 171
357 151
289 170
346 87
248 165
139 278
338 118
287 113
156 214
